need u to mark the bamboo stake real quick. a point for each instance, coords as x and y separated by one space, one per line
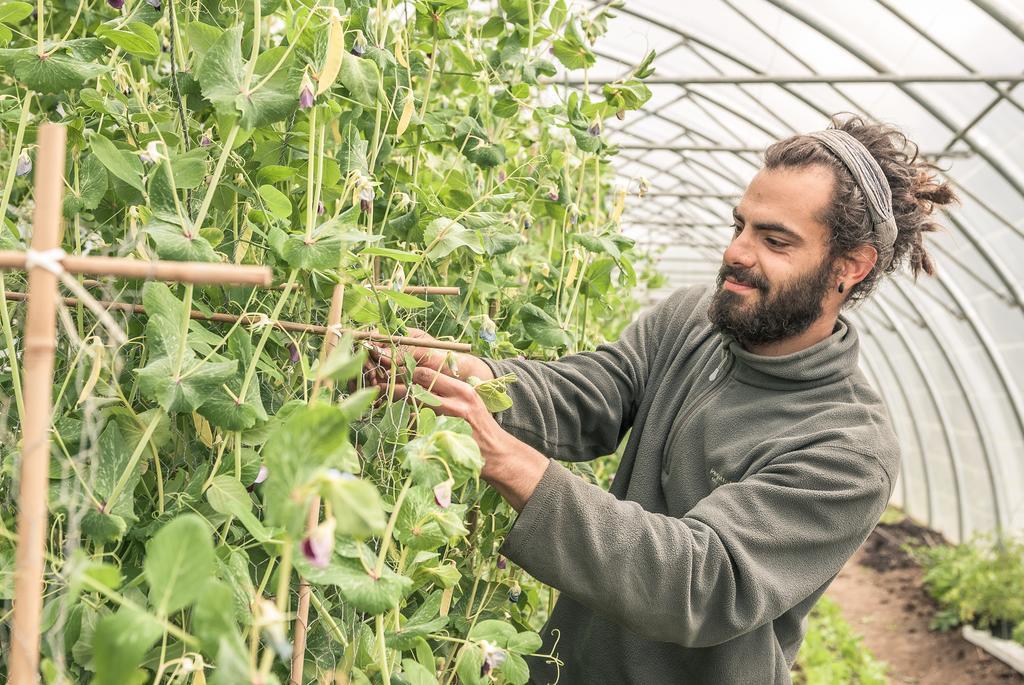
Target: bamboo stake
40 344
182 272
293 326
409 289
302 612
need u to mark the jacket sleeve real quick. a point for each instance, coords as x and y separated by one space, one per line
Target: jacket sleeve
740 558
580 406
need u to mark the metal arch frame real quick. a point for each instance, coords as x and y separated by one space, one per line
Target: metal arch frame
885 390
988 441
952 449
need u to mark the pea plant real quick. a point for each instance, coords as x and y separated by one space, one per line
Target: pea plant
370 146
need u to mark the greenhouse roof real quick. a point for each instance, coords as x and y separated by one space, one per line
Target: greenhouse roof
735 75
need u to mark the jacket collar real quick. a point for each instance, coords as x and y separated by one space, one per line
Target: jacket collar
828 361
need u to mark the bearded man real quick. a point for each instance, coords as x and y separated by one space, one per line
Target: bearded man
759 457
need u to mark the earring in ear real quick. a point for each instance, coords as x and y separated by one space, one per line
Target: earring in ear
842 287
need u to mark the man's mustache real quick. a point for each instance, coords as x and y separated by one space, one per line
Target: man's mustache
742 276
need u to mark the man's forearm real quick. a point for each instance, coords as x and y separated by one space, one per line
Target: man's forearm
515 471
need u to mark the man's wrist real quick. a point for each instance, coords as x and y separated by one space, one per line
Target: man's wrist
515 472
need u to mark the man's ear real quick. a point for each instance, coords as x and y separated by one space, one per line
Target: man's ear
855 266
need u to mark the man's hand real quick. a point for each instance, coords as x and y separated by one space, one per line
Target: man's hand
454 364
511 466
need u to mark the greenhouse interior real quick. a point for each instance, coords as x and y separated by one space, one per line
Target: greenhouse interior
511 341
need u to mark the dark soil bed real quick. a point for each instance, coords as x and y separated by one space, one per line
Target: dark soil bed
881 595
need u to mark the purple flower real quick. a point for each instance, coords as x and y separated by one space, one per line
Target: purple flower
501 176
620 115
553 196
306 98
262 475
514 593
359 45
488 334
155 4
443 493
116 4
319 208
318 545
595 129
24 164
366 198
494 657
207 139
502 563
293 353
527 221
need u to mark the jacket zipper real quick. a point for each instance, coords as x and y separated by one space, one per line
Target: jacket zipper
716 375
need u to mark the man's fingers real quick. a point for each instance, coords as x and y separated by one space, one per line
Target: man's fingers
438 383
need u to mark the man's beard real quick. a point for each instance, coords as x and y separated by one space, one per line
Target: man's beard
779 312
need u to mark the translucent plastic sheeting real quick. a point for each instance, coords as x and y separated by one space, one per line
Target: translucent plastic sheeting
946 353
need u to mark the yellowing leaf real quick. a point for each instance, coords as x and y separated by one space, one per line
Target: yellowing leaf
335 53
620 204
407 112
203 429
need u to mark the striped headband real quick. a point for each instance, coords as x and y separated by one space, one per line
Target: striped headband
871 181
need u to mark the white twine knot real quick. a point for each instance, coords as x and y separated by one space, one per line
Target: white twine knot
46 259
261 321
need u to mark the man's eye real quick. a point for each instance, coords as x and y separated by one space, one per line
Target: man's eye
772 242
737 228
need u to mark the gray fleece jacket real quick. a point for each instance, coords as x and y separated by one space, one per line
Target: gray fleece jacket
746 483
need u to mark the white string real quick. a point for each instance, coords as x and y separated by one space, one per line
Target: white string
45 259
51 261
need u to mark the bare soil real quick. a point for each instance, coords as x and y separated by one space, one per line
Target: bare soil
882 598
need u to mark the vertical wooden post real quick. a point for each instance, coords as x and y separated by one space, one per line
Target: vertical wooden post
302 612
40 344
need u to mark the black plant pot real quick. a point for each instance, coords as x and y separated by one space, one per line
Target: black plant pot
1002 629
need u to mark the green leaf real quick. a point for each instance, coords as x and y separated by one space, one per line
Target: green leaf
469 664
119 644
358 509
515 670
423 525
542 327
179 561
494 631
227 496
92 185
444 236
361 78
6 570
225 408
14 12
524 643
391 253
361 590
213 615
136 39
423 622
221 78
189 168
124 165
324 248
165 314
308 441
415 674
55 73
342 365
186 393
277 202
113 459
172 243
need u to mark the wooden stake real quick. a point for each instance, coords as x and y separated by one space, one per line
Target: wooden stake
410 289
40 343
39 347
293 326
302 613
182 272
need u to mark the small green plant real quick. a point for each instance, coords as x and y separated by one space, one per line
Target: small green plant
833 653
979 582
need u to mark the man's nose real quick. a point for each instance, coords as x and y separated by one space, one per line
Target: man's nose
739 252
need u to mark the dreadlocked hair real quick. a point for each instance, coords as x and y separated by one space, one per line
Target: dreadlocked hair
916 194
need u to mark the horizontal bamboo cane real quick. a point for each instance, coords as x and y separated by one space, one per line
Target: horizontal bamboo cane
409 289
157 270
283 325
